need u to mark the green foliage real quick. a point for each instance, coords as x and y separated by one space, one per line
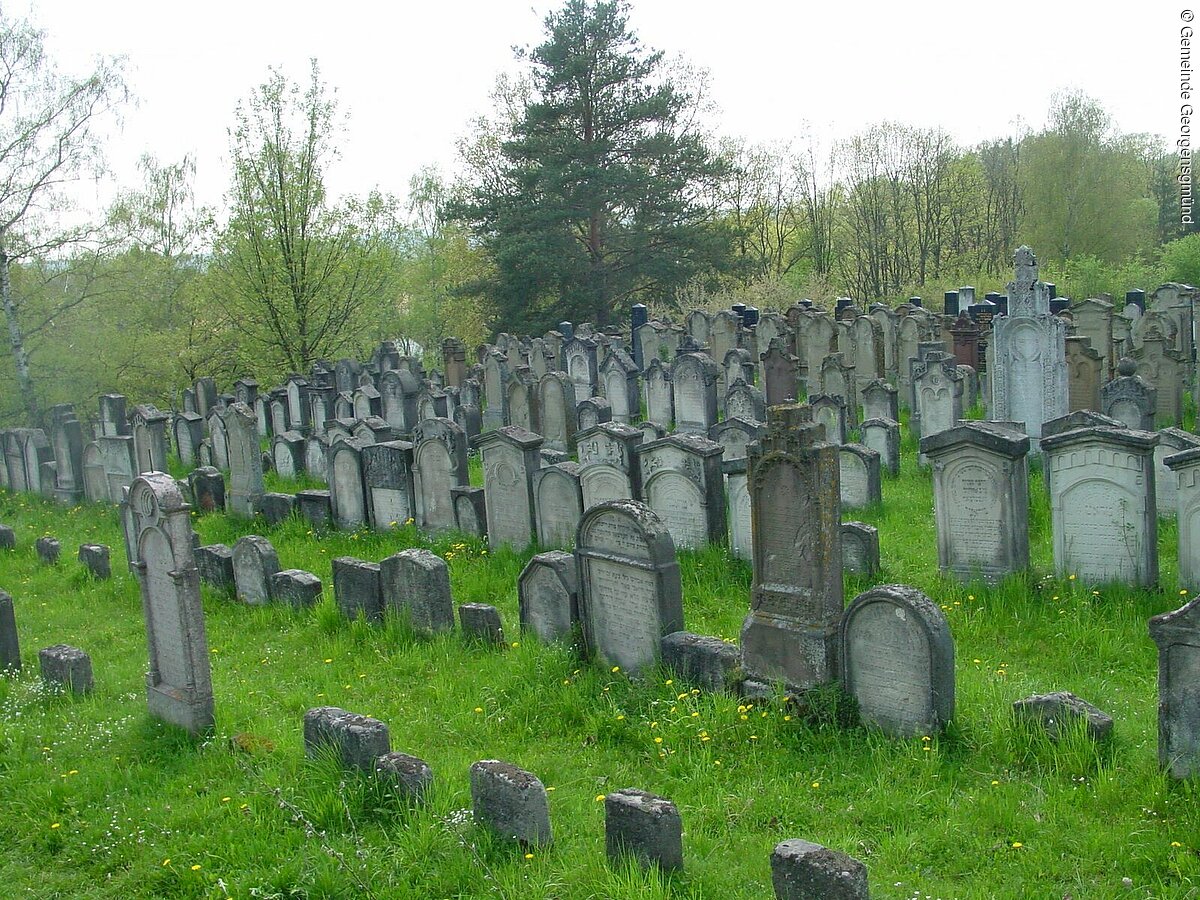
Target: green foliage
598 194
1181 260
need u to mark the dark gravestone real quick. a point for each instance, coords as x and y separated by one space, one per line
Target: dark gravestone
410 777
707 662
481 623
801 870
1059 712
215 565
315 508
48 549
95 558
547 594
1177 635
296 588
511 802
357 741
644 826
67 666
276 508
254 562
8 538
356 588
207 485
10 648
416 586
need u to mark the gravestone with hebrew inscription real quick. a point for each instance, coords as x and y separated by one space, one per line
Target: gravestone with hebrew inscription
608 469
790 635
179 683
388 483
682 483
630 591
510 457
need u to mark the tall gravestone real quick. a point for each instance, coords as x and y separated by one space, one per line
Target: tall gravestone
898 661
556 400
388 482
66 437
439 463
558 503
630 591
659 395
980 499
1102 507
347 492
608 468
790 634
1177 635
510 457
694 391
1185 469
245 461
1028 370
179 683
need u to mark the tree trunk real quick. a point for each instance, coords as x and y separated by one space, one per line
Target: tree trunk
16 339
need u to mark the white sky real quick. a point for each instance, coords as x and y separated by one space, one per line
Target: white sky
411 75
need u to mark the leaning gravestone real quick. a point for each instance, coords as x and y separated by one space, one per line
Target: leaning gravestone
547 594
883 436
1102 508
245 460
790 634
179 683
1177 635
254 562
630 592
980 499
898 661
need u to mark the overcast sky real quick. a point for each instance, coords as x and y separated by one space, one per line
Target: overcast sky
411 75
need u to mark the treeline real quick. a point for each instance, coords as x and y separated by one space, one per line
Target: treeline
593 183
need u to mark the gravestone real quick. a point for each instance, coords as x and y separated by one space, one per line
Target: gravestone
1165 370
1129 398
781 373
1058 713
591 412
470 510
523 408
1184 469
659 393
682 483
245 460
868 351
179 683
214 562
630 592
315 508
860 548
790 634
480 623
510 802
838 380
860 478
557 503
388 483
254 562
883 436
148 427
746 402
1094 321
1102 508
67 666
96 559
358 588
548 596
189 432
439 463
898 661
416 586
398 392
938 391
66 439
608 468
580 356
288 453
298 407
510 457
831 414
357 741
694 392
347 492
218 442
1170 441
48 550
643 826
1085 373
980 499
734 436
880 400
113 420
619 380
556 399
1177 635
801 870
276 508
410 777
10 647
1027 373
495 382
737 506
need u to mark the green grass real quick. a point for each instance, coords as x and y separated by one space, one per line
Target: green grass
983 810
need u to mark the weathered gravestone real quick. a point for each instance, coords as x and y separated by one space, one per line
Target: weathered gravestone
608 468
1177 635
10 647
883 436
860 548
254 562
214 562
148 427
179 683
439 463
548 596
96 558
781 374
746 402
898 661
682 483
416 586
556 398
620 383
357 588
66 438
938 392
659 395
591 412
357 741
860 478
388 482
1184 468
245 460
880 400
288 454
1102 507
630 592
1171 441
558 503
643 826
801 870
510 457
511 802
980 499
470 509
694 391
1129 398
296 588
790 634
830 413
68 667
189 433
347 492
1085 373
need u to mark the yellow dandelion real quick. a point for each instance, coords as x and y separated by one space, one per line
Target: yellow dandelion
225 799
669 681
529 856
479 709
167 861
196 867
658 740
787 718
327 661
816 784
1183 592
516 643
616 668
1017 845
621 718
994 783
1070 577
599 798
1176 844
56 825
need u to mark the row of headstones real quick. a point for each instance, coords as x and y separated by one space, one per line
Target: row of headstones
1106 484
514 805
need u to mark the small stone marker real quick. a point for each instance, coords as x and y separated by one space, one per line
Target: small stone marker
511 802
548 596
95 558
801 870
68 666
276 508
357 588
48 549
315 508
10 648
408 776
207 485
1177 635
254 562
8 537
645 826
215 564
481 622
296 588
357 740
898 660
1058 712
707 662
860 548
416 585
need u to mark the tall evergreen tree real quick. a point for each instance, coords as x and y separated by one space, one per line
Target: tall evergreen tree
606 180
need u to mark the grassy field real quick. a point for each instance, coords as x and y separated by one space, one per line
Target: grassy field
97 800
